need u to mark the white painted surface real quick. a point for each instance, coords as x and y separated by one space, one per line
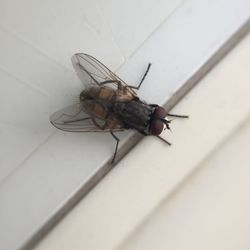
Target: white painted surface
40 168
194 195
210 210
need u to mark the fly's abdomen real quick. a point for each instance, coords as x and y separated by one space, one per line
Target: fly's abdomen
134 114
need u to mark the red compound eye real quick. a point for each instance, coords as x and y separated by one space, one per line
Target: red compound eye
156 127
160 112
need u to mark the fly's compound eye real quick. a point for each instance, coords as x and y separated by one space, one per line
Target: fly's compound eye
156 127
158 121
160 112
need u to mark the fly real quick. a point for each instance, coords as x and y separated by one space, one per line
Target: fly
108 104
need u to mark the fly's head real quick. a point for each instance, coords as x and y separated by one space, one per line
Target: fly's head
159 121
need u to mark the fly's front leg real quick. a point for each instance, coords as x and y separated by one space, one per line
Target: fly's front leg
178 116
120 87
172 115
143 78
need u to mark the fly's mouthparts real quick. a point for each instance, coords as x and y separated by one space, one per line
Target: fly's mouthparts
166 123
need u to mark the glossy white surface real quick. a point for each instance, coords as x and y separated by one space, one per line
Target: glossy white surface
194 195
41 168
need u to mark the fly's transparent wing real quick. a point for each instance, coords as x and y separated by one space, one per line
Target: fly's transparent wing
93 72
74 119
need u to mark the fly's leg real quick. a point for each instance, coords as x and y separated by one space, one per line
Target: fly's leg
162 139
116 147
172 115
119 85
143 78
178 116
129 86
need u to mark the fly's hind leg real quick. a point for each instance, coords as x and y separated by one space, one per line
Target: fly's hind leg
116 147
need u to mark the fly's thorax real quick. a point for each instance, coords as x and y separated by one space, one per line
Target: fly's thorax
134 114
147 119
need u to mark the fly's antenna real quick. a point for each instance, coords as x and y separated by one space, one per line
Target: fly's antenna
166 123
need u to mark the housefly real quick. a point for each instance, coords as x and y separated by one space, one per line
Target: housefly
108 104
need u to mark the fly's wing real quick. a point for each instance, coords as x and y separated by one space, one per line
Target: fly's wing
74 119
93 72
